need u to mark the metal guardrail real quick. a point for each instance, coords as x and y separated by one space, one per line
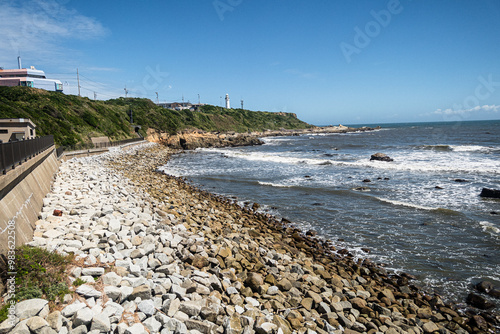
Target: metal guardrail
14 153
62 149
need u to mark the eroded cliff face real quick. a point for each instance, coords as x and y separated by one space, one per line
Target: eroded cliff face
189 140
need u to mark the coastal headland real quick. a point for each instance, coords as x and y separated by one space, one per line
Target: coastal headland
195 138
158 255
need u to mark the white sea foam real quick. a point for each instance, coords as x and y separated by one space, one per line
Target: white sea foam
411 205
490 228
276 158
471 148
274 140
277 185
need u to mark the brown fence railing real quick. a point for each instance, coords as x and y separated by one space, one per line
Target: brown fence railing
14 153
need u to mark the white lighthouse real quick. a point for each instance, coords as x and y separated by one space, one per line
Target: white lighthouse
228 106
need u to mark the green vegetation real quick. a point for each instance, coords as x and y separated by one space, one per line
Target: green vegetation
40 273
74 120
78 282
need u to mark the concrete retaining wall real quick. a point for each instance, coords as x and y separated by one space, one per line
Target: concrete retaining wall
21 198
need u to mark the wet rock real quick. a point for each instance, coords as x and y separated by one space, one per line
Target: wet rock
381 157
490 193
460 180
479 301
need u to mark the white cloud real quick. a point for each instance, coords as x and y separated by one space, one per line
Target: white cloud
39 28
484 108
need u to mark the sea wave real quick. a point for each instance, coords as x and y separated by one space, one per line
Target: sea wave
472 148
458 148
277 185
490 228
411 205
276 158
440 148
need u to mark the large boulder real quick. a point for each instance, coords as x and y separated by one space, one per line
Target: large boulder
490 193
381 157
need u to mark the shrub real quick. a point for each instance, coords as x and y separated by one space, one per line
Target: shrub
39 273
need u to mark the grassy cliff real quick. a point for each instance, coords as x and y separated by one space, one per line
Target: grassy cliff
73 120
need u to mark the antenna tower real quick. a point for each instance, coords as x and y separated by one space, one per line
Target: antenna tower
126 91
78 80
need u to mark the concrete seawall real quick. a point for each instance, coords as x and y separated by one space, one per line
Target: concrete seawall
21 197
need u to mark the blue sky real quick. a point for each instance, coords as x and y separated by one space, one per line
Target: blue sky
330 62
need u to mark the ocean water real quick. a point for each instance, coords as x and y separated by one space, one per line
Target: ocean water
421 214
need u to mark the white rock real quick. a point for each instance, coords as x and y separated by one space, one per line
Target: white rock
83 317
31 307
101 322
136 329
152 324
93 271
71 309
88 291
147 307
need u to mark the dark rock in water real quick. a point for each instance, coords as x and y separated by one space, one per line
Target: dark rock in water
307 176
488 288
438 187
479 301
367 180
317 204
386 179
362 189
460 180
485 286
495 292
479 322
311 233
490 193
494 213
381 157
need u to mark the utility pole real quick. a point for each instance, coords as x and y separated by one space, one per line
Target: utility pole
157 100
78 80
199 99
126 91
95 96
241 104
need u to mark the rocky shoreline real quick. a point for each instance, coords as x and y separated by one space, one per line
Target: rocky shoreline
191 139
161 256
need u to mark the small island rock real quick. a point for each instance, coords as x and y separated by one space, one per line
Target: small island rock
490 193
381 157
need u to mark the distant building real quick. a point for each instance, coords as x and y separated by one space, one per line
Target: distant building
28 77
181 106
228 105
12 129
